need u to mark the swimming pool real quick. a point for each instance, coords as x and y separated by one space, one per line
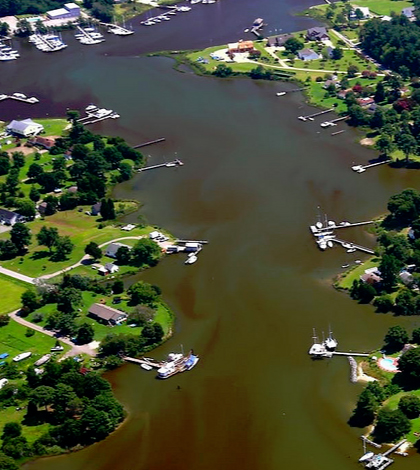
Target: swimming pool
389 364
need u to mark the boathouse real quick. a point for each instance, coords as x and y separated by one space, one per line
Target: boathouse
107 315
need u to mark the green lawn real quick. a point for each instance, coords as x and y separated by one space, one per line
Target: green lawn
355 272
383 7
11 290
54 127
13 341
80 227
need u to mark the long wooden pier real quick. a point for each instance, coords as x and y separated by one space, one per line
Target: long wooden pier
363 168
161 165
150 142
311 116
31 100
202 242
142 361
315 230
338 353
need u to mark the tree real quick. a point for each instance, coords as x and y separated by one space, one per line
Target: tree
409 365
73 116
416 336
62 248
18 159
26 207
145 251
337 53
92 249
20 235
391 425
48 237
407 144
366 408
85 334
142 293
384 144
152 334
4 320
35 169
7 463
11 430
68 299
43 395
222 71
29 300
380 95
410 406
389 268
396 338
362 291
383 304
34 194
107 210
118 287
293 45
4 163
126 172
352 71
123 256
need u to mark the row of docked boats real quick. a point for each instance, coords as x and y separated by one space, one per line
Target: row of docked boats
89 36
47 42
208 2
7 53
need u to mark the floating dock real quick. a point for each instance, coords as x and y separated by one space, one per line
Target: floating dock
143 361
161 165
349 354
202 242
314 229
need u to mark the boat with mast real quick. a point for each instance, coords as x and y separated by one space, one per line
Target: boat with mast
326 348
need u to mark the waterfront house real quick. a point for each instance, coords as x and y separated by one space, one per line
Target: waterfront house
328 83
278 41
108 315
371 278
24 128
109 268
42 207
112 249
364 102
308 54
318 33
241 46
409 13
10 218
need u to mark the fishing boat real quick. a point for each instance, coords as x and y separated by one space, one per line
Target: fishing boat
191 361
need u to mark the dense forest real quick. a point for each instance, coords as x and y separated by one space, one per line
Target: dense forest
21 7
395 44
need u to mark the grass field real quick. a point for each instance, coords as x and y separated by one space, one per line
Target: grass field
11 290
354 273
13 341
383 7
80 227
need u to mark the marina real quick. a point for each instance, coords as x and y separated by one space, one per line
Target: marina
47 42
117 30
89 36
7 53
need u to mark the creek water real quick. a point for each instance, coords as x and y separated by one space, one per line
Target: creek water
252 179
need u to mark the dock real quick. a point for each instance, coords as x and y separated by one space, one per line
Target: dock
349 354
161 165
256 26
368 441
202 242
316 230
337 132
353 245
148 362
95 114
311 116
19 97
363 168
150 142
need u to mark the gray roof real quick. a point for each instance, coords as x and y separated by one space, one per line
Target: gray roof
106 313
112 248
317 31
6 215
408 12
21 125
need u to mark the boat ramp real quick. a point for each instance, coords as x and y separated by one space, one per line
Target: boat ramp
363 168
19 97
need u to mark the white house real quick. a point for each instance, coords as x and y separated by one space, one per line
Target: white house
24 128
364 10
308 54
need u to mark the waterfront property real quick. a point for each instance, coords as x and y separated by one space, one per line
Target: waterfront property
9 217
24 128
112 249
107 315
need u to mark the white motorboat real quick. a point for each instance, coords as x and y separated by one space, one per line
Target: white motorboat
351 250
281 93
22 356
191 259
146 366
45 358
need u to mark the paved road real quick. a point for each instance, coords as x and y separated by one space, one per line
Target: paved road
20 277
75 350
